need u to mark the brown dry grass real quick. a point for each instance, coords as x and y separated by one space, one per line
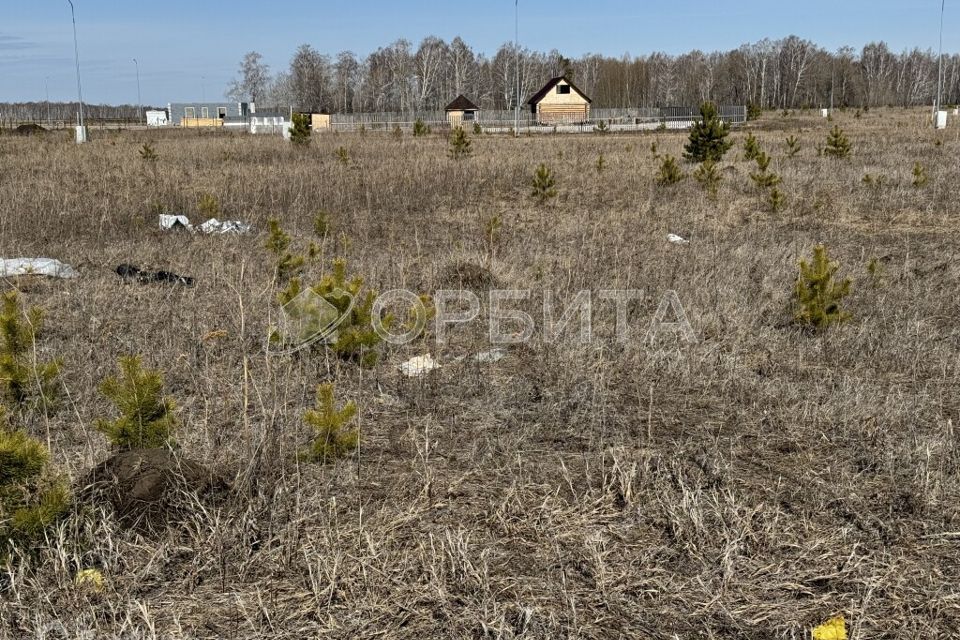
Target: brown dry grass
750 485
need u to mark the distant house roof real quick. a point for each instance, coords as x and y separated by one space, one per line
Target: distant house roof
461 103
539 95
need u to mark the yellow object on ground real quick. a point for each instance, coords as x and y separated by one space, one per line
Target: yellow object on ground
89 579
833 629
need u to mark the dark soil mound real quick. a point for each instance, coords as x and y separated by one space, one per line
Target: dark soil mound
151 487
29 129
466 275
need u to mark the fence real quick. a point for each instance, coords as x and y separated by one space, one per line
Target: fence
631 119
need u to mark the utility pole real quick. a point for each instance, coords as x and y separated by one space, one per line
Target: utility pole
46 84
81 129
516 46
936 112
139 101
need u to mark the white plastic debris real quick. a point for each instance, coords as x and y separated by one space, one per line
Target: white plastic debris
226 226
172 221
675 239
418 366
36 267
491 356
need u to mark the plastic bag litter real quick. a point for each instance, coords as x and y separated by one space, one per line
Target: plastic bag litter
226 226
489 357
171 222
675 239
36 267
418 366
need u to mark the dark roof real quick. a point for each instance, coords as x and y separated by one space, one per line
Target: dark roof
461 103
539 95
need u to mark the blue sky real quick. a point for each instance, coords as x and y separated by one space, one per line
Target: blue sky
190 50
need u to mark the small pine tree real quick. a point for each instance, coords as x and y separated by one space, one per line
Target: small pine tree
776 200
300 130
21 376
31 497
332 438
793 146
817 294
420 129
397 131
343 156
321 224
601 127
459 144
146 416
838 145
670 172
148 153
751 148
764 178
355 338
477 129
544 184
920 177
709 178
278 243
600 164
754 111
708 136
209 206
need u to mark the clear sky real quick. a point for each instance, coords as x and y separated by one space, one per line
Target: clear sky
190 50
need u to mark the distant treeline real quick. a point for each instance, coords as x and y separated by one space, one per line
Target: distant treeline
772 74
787 73
41 112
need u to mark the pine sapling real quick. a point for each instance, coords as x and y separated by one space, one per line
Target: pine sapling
544 184
818 295
420 129
708 136
333 437
32 498
708 177
22 377
278 243
793 146
459 144
670 172
764 178
300 130
838 145
751 148
146 417
920 177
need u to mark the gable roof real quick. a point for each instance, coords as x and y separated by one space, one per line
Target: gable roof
461 103
539 95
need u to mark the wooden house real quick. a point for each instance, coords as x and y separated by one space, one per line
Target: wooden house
461 111
560 102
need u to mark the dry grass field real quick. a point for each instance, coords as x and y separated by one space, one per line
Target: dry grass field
749 485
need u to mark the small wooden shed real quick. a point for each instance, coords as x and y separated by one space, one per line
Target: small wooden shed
560 102
461 110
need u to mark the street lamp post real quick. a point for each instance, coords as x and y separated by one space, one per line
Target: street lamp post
81 129
139 101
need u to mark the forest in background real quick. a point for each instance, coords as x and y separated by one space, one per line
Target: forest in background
787 73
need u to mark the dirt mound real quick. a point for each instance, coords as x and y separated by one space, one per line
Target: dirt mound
466 275
29 129
150 487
